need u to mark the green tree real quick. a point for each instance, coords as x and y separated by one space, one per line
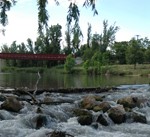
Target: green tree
96 40
29 45
119 50
68 49
89 35
108 36
43 13
134 53
54 36
69 64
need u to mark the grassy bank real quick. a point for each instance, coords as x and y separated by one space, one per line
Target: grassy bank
122 70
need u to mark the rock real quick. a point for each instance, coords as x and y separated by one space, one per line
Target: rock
39 110
59 134
81 112
39 121
99 98
139 117
88 102
102 119
104 106
47 100
131 102
136 117
85 119
84 116
117 114
94 125
2 98
11 104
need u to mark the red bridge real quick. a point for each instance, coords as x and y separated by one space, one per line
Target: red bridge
28 56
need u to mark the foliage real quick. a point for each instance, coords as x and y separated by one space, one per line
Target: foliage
69 64
134 53
119 50
89 35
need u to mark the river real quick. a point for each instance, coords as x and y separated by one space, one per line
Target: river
57 80
60 117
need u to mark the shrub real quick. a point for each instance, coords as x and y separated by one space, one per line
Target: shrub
69 64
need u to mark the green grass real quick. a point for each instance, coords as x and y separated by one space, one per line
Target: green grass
122 70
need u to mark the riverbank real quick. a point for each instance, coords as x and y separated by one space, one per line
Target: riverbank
118 70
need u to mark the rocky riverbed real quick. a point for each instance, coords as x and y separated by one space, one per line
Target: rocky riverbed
123 111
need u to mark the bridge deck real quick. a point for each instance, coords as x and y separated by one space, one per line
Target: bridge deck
28 56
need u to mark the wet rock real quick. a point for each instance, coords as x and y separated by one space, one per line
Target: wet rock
104 106
88 102
39 110
84 116
85 119
131 102
47 100
117 114
11 104
102 119
39 121
94 125
99 98
81 112
59 134
139 117
2 98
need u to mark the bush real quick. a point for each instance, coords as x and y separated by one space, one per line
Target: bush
69 64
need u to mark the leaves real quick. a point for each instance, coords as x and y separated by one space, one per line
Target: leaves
91 3
42 16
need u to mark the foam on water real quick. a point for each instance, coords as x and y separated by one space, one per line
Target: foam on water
59 117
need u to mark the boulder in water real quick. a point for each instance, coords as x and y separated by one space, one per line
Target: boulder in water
104 106
130 102
88 102
102 119
139 117
11 104
117 114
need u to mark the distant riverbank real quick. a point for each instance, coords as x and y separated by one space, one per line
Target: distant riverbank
118 70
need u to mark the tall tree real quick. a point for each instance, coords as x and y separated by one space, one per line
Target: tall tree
89 35
68 49
30 47
108 35
43 13
54 36
77 36
134 53
119 50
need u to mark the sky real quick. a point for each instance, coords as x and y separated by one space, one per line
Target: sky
131 16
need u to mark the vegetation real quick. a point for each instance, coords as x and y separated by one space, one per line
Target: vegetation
99 53
69 64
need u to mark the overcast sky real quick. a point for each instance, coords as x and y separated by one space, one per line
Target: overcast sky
132 17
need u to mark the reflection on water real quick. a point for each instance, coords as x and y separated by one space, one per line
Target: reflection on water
56 80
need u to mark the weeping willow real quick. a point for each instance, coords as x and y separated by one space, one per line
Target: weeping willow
43 17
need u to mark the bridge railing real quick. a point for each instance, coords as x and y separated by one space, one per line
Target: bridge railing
28 56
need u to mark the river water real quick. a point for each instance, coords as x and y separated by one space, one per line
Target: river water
60 117
57 80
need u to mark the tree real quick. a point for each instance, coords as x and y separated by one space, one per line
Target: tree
42 12
68 49
134 53
96 40
54 36
30 46
108 36
77 36
89 35
69 64
119 50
